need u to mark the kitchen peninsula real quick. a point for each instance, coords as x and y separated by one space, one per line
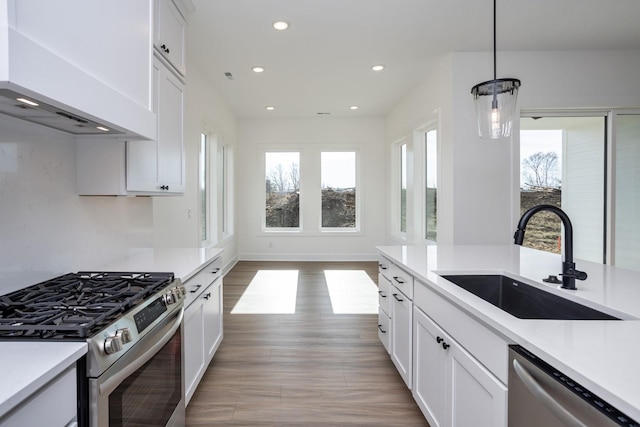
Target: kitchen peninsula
600 355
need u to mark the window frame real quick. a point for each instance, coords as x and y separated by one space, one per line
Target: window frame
358 189
263 176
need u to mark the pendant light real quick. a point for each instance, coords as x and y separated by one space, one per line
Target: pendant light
495 100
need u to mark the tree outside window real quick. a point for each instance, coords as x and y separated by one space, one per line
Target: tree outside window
282 185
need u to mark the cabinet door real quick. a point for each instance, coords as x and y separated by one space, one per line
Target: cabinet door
194 363
170 34
477 397
212 319
430 369
401 335
158 166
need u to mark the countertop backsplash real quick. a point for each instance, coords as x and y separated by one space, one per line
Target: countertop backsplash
45 226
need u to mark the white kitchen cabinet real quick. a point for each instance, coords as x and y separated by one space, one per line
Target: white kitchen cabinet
384 311
203 325
139 167
450 386
401 334
53 405
158 166
170 34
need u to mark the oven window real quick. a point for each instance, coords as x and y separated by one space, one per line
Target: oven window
152 393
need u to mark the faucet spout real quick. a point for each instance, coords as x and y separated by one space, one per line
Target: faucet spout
569 272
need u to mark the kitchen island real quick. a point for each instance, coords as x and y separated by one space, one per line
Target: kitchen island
600 355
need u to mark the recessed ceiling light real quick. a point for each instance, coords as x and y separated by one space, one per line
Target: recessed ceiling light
258 69
27 101
270 107
280 25
353 107
102 128
378 67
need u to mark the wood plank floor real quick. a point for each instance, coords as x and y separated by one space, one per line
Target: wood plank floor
304 369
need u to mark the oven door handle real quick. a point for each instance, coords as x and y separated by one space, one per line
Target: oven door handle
112 383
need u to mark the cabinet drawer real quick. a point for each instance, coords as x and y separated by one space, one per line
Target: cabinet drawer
199 282
384 292
487 347
384 329
384 267
402 280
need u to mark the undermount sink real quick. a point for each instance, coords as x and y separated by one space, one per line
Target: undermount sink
522 300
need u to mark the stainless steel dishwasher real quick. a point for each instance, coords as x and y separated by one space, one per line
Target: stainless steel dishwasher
539 395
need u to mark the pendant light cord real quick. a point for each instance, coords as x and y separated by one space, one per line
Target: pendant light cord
495 74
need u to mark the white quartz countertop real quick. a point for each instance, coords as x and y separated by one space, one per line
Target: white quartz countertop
26 367
182 262
600 355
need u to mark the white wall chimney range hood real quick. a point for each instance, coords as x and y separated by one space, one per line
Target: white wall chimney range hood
73 80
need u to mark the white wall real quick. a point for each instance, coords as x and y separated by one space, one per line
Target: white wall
176 219
44 224
367 134
482 175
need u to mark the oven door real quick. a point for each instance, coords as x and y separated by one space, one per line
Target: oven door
145 386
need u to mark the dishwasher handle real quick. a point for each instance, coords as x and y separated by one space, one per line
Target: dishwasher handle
541 394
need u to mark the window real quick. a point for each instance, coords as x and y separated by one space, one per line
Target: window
431 184
338 189
403 188
214 190
562 163
282 187
202 188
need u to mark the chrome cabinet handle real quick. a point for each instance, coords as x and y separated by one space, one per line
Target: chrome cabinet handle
545 398
396 297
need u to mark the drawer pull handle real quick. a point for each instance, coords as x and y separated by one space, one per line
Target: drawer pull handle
381 294
382 267
398 279
396 297
382 330
194 290
445 345
439 339
207 296
215 271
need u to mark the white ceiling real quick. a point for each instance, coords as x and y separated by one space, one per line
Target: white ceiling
322 62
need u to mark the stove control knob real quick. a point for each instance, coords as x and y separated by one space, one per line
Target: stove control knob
112 344
125 335
170 298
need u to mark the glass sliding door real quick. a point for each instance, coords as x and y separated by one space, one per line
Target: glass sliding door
627 192
562 163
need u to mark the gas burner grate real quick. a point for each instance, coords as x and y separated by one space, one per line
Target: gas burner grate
75 305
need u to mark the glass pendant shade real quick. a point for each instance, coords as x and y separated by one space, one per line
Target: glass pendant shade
495 105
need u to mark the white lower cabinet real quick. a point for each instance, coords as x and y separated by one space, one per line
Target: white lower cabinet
384 312
401 334
203 328
450 386
53 405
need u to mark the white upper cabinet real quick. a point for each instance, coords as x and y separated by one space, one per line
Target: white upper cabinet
158 166
92 59
170 34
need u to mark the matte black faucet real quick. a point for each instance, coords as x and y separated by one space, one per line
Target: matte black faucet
569 273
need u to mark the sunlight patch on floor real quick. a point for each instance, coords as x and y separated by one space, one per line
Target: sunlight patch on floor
351 292
270 292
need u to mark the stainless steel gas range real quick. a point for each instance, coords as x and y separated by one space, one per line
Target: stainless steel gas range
132 322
